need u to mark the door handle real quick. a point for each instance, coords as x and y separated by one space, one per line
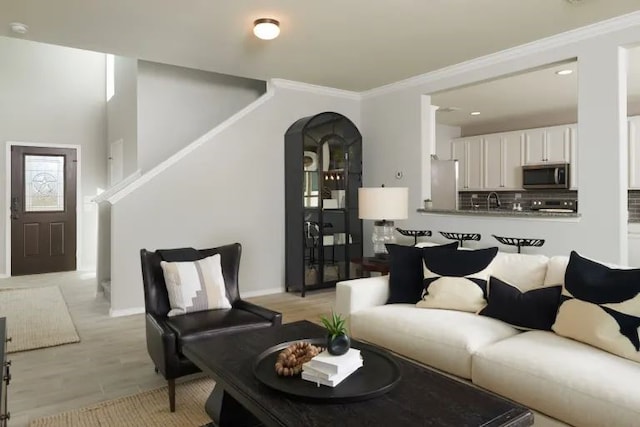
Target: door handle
14 208
556 176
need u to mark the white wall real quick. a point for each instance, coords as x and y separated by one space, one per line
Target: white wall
122 112
177 105
55 95
444 135
393 114
230 189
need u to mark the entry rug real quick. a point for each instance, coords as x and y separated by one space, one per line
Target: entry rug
36 318
149 408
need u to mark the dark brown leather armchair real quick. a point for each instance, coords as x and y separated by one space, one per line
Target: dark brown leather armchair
166 335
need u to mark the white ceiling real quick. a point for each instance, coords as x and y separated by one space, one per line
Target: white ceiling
354 44
536 94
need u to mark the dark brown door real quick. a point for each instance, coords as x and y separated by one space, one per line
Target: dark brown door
43 210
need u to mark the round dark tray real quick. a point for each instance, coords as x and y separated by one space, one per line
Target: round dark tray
378 375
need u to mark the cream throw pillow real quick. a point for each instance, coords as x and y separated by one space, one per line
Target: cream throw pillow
600 306
195 286
456 280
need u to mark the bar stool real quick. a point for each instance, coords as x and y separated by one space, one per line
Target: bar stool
415 234
461 237
519 242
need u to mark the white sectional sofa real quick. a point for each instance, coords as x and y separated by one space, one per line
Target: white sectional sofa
564 379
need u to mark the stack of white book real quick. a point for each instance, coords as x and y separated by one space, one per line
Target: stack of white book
330 370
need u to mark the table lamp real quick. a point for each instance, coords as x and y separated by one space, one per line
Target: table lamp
383 205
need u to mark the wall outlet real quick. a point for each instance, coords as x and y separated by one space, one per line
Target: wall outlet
518 196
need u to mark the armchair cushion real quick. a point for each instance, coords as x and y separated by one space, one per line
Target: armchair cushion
204 324
195 286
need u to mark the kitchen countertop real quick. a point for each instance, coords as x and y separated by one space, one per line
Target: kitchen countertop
500 213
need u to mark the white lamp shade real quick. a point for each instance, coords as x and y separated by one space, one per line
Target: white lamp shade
383 203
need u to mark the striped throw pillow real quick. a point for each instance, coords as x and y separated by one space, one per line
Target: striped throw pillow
195 286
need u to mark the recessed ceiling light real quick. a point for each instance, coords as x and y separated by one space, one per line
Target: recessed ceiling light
19 28
564 72
475 113
266 28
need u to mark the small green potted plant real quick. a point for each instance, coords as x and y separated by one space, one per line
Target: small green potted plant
338 341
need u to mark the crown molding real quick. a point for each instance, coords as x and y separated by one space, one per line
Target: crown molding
315 89
601 28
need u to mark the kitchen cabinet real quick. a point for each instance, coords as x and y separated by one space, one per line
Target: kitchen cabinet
552 144
475 170
512 146
534 146
558 144
503 161
493 162
634 152
468 152
489 162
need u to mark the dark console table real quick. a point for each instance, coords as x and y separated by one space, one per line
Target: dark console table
5 374
421 397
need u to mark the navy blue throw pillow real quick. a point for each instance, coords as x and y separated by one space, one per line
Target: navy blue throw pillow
533 309
406 271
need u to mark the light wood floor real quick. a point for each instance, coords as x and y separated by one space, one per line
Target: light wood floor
111 358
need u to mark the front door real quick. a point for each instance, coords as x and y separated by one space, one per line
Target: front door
43 210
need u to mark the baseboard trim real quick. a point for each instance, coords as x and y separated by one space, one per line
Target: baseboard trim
4 276
262 292
125 312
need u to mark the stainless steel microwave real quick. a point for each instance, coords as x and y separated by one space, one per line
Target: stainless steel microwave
545 176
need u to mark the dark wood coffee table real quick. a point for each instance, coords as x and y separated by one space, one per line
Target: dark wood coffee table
422 398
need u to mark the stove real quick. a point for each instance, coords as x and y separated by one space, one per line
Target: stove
556 205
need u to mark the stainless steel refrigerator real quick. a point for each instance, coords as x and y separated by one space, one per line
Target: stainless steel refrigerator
444 184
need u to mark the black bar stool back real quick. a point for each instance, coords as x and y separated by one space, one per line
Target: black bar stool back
519 242
415 234
461 237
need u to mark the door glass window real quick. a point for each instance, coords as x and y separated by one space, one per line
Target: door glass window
43 183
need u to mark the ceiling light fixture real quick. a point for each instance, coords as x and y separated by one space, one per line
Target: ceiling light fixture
18 28
266 28
475 113
564 72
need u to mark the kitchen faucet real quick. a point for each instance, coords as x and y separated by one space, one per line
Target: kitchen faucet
498 204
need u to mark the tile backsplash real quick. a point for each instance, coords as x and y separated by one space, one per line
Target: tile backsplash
634 205
508 198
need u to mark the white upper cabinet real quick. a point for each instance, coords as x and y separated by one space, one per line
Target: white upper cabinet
634 152
493 162
513 143
534 146
474 165
468 153
502 161
551 145
558 144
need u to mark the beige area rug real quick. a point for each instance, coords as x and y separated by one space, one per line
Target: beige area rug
149 408
36 318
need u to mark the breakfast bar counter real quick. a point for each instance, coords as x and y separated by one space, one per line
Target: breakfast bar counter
504 213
